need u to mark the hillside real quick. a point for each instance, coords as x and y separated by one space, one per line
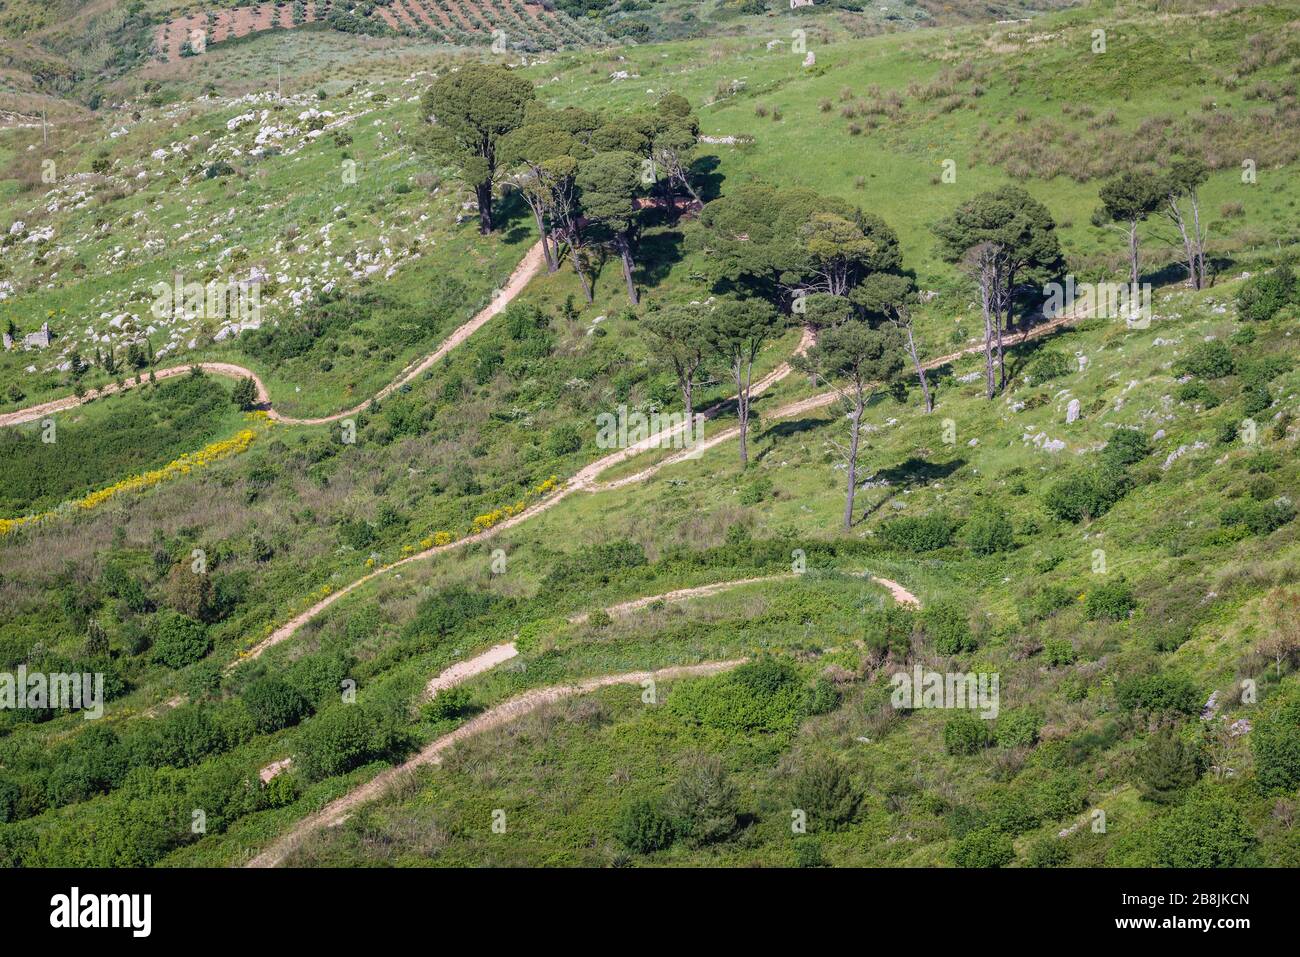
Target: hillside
369 581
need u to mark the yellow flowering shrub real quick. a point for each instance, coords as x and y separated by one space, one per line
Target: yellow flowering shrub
187 463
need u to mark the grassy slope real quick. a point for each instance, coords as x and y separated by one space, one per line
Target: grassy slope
1186 570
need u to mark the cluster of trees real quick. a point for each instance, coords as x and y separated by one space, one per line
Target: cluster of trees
1134 196
586 177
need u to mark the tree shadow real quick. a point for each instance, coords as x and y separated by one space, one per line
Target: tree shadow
657 254
912 472
706 178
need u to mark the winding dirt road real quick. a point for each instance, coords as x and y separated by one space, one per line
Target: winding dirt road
338 811
519 278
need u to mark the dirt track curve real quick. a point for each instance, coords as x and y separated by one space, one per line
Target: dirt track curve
338 810
519 278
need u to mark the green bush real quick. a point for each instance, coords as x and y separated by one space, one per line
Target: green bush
1167 767
179 640
923 533
703 803
1059 652
1275 742
274 704
335 741
1049 364
965 733
1109 601
1197 393
986 847
1126 447
642 828
1048 851
1260 518
989 531
1017 728
1209 830
823 789
1262 296
448 703
946 626
1159 691
1209 360
1085 495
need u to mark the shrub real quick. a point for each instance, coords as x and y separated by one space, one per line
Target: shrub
1159 691
1017 728
180 640
888 631
563 440
1111 601
1085 495
986 847
642 828
334 742
274 704
447 704
824 791
924 533
1260 518
1048 851
947 628
1261 297
1059 652
965 733
702 804
244 395
989 531
1197 393
823 697
807 852
1126 446
1209 360
1167 767
1207 831
1275 741
1047 365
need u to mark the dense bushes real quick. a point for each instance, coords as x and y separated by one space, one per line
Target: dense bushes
1275 742
989 531
986 847
965 733
823 789
274 704
1167 767
1085 495
1209 360
764 696
643 828
923 533
946 626
1112 600
1159 691
1261 297
1259 518
180 640
1207 831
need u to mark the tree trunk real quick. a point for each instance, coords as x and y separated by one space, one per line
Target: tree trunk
988 342
575 255
552 260
1133 253
855 427
1199 242
1176 214
742 410
625 253
920 370
483 193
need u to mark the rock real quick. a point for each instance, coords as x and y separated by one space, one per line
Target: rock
1072 411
